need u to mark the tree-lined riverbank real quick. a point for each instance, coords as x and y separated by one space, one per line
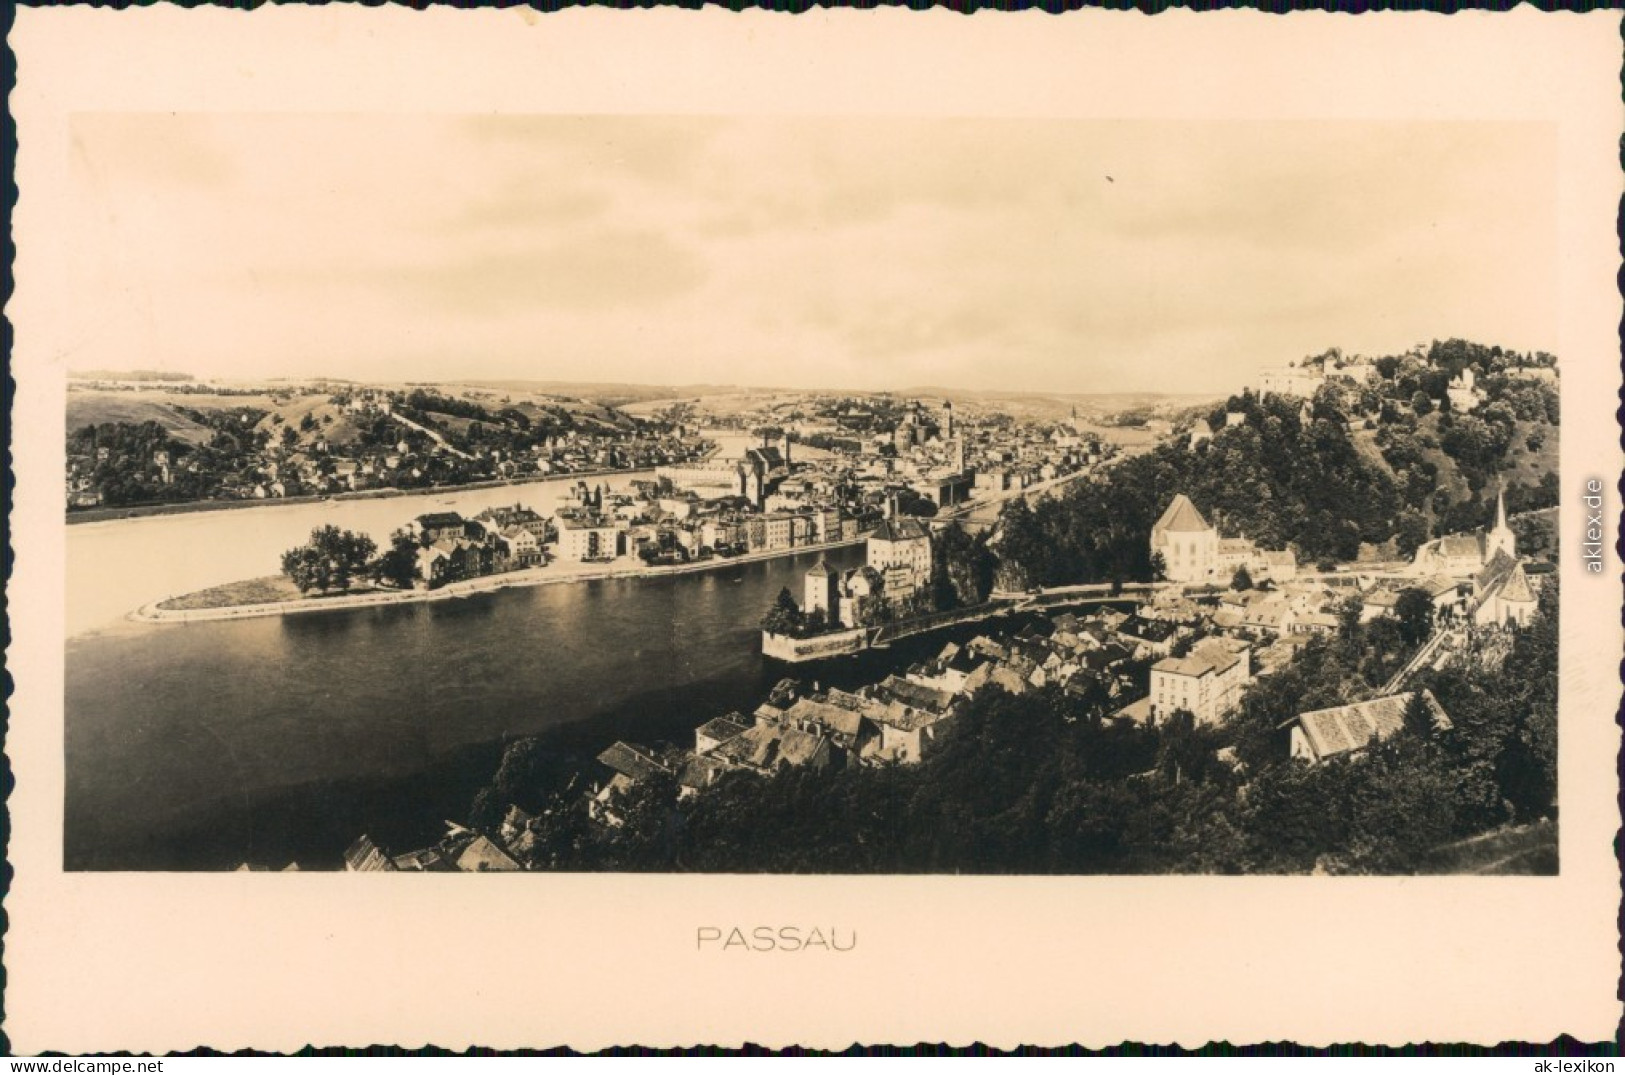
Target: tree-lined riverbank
187 609
102 515
278 738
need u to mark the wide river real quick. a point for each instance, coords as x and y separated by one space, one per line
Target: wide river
272 740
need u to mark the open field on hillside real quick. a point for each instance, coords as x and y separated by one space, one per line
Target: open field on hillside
98 408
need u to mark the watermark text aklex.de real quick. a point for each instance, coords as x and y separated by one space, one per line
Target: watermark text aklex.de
1592 545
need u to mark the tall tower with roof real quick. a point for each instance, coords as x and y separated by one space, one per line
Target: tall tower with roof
820 590
1501 538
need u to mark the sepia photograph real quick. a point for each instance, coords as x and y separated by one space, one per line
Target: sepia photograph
642 493
881 527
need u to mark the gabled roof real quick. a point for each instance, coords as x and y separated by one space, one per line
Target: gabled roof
1208 657
1181 517
1496 571
1267 614
770 456
1455 546
797 747
1350 727
632 762
899 530
701 771
1009 680
916 694
1138 711
905 718
835 718
1436 586
722 729
364 856
821 568
483 856
1516 587
756 747
979 677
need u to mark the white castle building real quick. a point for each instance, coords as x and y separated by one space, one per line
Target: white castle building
1192 550
898 566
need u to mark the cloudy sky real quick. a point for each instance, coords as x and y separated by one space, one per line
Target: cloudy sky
863 253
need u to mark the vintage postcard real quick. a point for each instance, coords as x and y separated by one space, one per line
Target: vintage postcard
880 527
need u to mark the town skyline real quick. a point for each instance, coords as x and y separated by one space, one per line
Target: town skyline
677 389
857 254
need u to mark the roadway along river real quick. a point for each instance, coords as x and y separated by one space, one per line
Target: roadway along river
204 745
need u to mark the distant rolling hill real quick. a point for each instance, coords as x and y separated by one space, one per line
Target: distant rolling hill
604 394
98 408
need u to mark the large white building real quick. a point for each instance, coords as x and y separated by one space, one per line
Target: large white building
1502 594
900 550
1192 550
821 591
1297 381
709 480
589 539
1207 682
1189 547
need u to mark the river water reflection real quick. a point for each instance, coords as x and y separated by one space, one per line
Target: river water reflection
269 740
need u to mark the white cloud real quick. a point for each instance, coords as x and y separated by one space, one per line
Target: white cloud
874 253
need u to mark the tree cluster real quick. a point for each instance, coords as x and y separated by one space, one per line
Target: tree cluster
1292 474
1273 479
331 560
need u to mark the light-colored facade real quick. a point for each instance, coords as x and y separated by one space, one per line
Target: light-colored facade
821 591
1290 381
1207 682
1189 547
709 480
1463 391
588 539
900 550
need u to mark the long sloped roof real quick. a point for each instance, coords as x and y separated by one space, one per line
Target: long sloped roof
1496 571
1350 727
899 530
1182 516
1516 587
630 761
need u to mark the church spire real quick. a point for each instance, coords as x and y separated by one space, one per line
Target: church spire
1501 538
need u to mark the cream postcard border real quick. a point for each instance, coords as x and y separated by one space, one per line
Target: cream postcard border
170 961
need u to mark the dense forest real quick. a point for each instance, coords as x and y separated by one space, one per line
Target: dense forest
1047 782
1284 471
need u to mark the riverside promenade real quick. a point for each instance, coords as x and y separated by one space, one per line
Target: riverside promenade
551 574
